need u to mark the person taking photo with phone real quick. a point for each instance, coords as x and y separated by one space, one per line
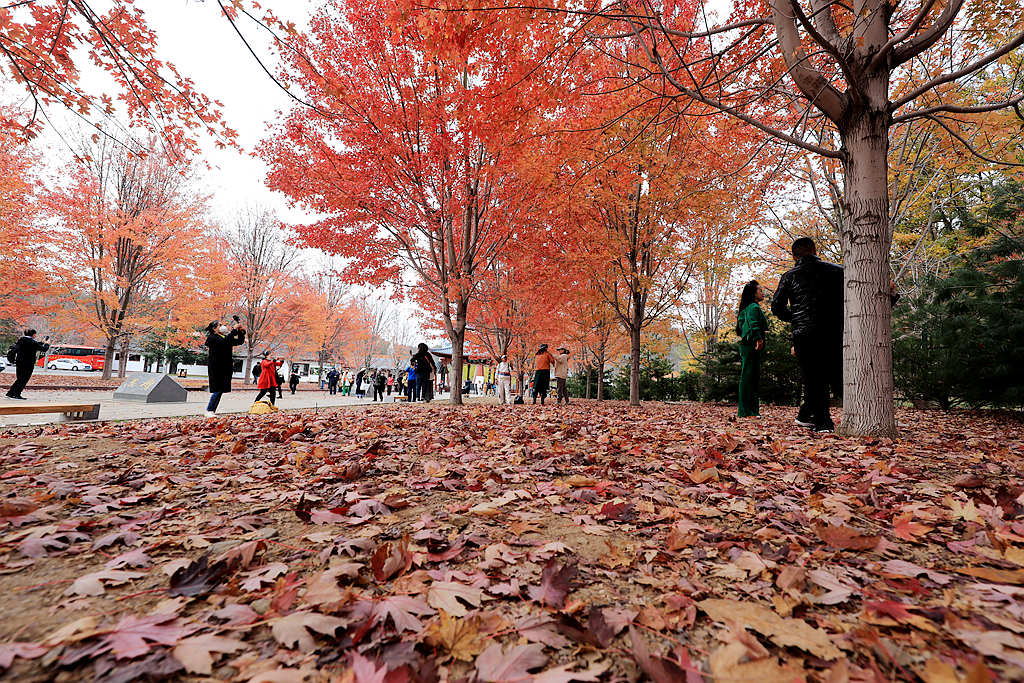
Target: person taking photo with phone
221 340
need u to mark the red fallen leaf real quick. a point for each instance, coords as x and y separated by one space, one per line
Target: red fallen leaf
969 481
619 512
15 507
286 590
660 669
390 559
904 527
238 448
555 584
8 651
890 608
845 538
497 666
365 670
132 635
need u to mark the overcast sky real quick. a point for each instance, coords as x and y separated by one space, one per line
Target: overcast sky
203 45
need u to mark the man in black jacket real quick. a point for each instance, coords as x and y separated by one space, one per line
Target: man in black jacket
25 361
810 298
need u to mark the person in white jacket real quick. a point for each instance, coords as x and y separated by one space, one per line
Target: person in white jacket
504 377
561 372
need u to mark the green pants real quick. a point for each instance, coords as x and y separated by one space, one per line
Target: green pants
750 381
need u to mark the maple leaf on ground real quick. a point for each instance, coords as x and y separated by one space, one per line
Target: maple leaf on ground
845 538
92 584
459 637
390 559
660 669
8 651
784 632
906 528
133 558
496 666
562 674
323 589
291 631
198 578
447 594
196 653
256 578
401 609
365 670
132 635
556 582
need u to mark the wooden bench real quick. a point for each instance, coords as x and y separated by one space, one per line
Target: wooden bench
72 411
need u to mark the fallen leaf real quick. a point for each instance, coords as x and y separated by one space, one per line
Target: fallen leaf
195 653
291 631
783 632
497 666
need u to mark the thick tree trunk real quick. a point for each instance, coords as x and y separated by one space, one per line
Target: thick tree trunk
122 367
867 339
457 335
634 366
108 359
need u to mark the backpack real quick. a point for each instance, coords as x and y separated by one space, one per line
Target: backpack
12 354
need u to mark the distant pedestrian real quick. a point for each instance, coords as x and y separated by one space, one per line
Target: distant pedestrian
360 391
562 375
542 363
390 382
410 375
279 378
220 365
425 367
332 381
380 381
346 384
504 381
256 369
268 377
752 327
293 380
25 350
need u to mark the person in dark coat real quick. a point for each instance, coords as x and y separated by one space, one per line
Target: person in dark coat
332 380
293 380
810 298
380 380
425 367
221 339
25 350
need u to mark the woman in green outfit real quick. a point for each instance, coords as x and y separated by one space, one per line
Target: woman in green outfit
751 326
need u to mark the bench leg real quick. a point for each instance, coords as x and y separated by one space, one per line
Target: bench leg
84 415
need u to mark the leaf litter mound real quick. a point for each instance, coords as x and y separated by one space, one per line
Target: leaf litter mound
588 543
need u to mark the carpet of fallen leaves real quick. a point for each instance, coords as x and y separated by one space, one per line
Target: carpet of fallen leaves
590 543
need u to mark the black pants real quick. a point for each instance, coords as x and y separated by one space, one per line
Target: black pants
293 386
332 387
22 376
821 368
541 382
378 393
562 390
271 392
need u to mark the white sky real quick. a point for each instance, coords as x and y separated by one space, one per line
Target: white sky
202 44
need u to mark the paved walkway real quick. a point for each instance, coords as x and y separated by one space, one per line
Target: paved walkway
110 409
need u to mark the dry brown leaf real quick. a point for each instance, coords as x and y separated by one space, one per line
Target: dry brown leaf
783 632
459 637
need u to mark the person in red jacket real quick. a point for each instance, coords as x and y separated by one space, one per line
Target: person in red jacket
267 383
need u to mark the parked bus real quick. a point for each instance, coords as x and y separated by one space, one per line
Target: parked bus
83 354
